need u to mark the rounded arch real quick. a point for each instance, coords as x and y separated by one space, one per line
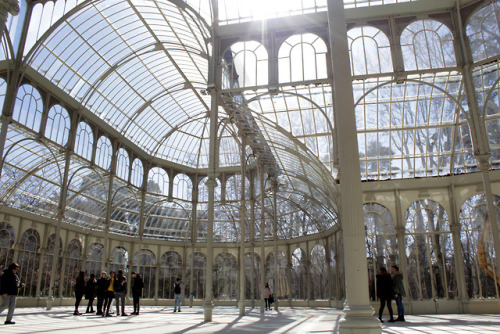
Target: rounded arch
196 273
482 29
104 152
84 141
58 125
28 260
307 52
95 258
137 175
166 219
122 164
245 64
170 269
299 281
281 287
225 281
427 44
28 108
183 187
118 260
74 252
7 238
144 262
369 50
158 181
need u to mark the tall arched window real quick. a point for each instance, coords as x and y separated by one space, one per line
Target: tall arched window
319 273
302 58
48 263
427 44
196 268
170 270
158 181
7 237
119 260
299 282
84 141
477 245
252 265
203 190
183 187
72 267
244 65
483 31
58 125
29 261
137 173
429 252
122 164
381 242
370 51
29 107
225 277
281 288
93 264
104 152
145 264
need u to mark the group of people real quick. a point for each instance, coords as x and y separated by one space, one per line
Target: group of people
390 287
107 288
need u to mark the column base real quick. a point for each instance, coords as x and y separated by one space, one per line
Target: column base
262 306
241 305
50 301
208 308
359 320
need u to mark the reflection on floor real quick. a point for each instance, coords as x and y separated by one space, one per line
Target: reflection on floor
226 320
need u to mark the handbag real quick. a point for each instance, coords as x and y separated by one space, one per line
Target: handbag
271 299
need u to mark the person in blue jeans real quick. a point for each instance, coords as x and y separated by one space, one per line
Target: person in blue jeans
178 294
399 291
9 285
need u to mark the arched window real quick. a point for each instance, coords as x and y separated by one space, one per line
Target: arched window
244 65
182 187
29 261
158 181
477 245
104 152
233 188
29 107
170 270
145 264
429 252
301 58
58 125
299 282
427 44
370 51
381 242
73 266
225 277
281 288
119 260
137 173
84 141
93 264
483 31
122 164
252 274
48 263
203 190
7 237
319 273
196 268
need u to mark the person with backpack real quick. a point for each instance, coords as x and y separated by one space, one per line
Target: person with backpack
137 286
178 294
9 285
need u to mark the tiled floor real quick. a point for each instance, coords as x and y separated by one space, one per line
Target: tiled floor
226 320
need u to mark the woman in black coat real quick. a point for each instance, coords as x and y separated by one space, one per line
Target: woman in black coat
384 293
90 293
137 286
79 290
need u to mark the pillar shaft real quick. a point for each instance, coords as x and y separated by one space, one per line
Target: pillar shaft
358 312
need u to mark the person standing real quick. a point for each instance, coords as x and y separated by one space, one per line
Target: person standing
102 285
120 287
9 286
79 290
267 295
384 293
178 294
109 294
137 286
399 292
90 293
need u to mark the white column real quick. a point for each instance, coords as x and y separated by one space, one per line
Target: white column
358 317
243 222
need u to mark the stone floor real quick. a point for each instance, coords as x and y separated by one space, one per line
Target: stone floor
226 320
